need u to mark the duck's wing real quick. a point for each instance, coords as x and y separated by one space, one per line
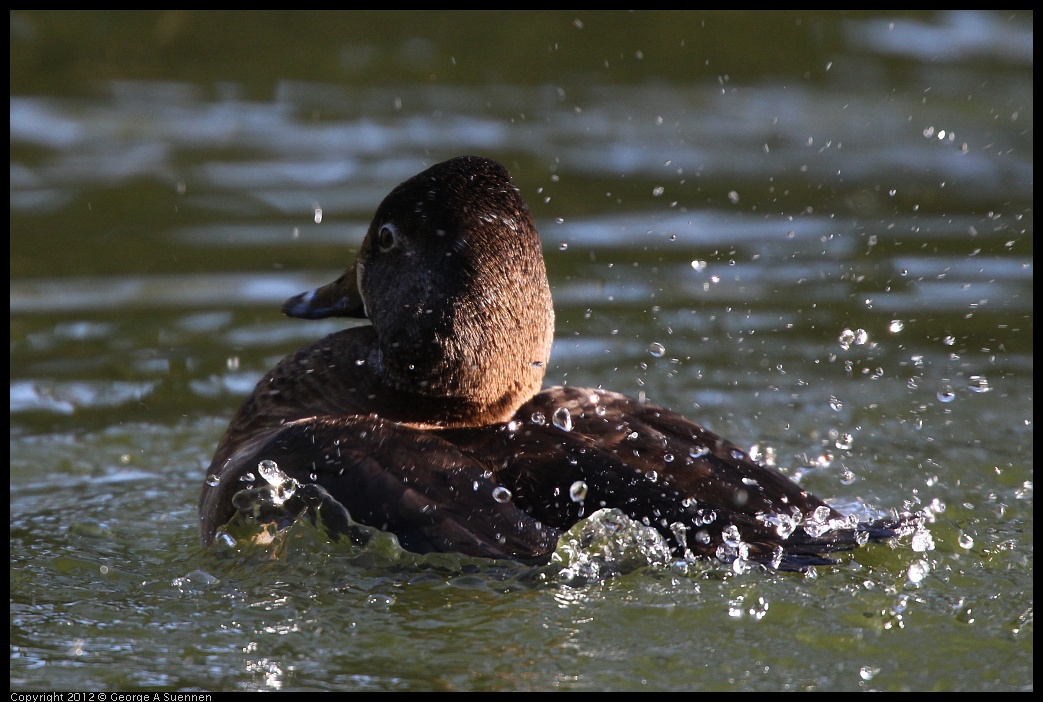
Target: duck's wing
662 469
406 481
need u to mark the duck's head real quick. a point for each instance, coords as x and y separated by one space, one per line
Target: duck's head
451 275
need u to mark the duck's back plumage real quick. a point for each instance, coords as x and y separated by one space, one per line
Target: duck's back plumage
510 490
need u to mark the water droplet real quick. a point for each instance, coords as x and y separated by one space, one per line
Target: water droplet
896 326
698 451
784 524
852 336
539 418
213 480
501 494
845 441
946 394
269 470
918 571
966 541
979 383
578 491
658 190
764 455
563 246
835 404
698 265
731 536
922 541
562 419
656 349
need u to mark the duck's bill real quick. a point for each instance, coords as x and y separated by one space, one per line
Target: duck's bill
340 298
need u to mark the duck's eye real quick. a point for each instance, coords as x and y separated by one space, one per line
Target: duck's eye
386 237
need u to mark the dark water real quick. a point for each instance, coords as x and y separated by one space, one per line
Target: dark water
824 219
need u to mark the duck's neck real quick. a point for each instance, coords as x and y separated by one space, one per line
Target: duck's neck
480 361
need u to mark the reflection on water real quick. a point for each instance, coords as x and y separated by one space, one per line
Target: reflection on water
811 232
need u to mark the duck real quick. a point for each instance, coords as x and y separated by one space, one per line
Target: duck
431 422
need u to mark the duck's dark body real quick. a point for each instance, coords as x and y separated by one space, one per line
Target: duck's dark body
428 424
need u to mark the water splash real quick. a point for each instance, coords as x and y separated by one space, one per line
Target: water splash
607 544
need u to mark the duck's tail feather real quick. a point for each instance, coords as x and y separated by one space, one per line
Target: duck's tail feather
802 551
